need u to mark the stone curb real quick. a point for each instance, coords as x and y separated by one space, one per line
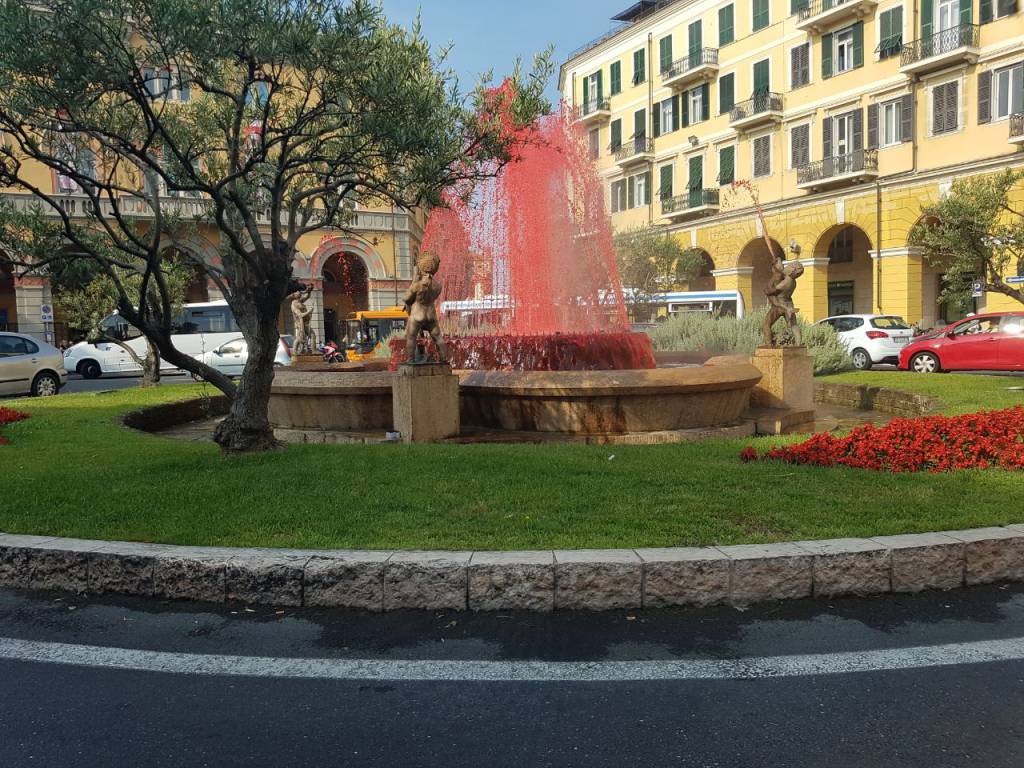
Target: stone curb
593 580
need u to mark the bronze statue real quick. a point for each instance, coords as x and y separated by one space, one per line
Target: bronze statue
305 339
780 299
419 303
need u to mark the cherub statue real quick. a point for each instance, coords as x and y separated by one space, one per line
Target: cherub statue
419 303
305 339
780 299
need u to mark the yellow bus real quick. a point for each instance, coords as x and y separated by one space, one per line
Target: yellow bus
368 331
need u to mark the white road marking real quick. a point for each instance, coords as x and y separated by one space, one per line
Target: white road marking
880 660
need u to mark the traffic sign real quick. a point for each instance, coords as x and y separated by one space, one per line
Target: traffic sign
46 313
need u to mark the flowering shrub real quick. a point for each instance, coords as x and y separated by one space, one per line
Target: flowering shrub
9 416
923 444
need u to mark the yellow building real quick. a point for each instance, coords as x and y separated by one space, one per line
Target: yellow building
846 116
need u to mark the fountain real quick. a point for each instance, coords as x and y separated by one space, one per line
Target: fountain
534 319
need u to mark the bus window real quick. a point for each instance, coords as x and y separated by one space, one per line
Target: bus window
116 327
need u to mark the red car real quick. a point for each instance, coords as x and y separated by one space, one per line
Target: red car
989 342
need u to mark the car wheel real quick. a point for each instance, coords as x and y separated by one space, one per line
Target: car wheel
90 369
45 385
925 362
861 360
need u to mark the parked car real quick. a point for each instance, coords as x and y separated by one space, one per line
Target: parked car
990 342
231 356
871 339
28 365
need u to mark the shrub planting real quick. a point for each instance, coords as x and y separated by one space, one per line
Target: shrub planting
9 416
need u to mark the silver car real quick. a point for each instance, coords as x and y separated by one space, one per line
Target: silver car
30 366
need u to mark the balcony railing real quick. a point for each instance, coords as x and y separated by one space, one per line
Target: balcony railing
814 7
760 103
634 147
1017 127
861 161
694 198
593 107
698 58
947 41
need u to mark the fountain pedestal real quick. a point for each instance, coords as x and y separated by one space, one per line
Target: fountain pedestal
425 402
784 398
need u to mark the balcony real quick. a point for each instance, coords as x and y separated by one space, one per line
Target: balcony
635 151
1017 128
699 66
760 110
951 46
838 171
595 112
695 202
817 15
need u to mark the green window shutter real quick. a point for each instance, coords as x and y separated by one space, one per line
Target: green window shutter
705 102
665 190
984 97
726 33
675 112
726 93
826 55
873 126
795 6
586 94
926 18
985 14
966 8
615 76
884 30
762 74
907 121
656 114
640 124
639 67
696 42
760 14
665 49
696 173
686 108
616 135
631 187
726 165
600 88
858 44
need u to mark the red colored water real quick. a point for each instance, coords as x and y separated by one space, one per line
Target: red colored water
527 264
608 350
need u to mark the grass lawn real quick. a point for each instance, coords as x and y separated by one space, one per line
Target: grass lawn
71 470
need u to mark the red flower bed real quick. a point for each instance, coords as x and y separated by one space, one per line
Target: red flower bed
9 416
923 444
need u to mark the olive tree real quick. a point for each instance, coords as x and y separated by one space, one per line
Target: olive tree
976 234
264 120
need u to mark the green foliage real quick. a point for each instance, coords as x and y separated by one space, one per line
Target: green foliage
976 233
700 332
652 261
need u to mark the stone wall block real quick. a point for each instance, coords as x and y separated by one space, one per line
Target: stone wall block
992 554
695 576
503 581
762 572
353 580
427 580
849 567
923 561
598 580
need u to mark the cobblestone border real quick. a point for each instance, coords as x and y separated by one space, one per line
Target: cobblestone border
591 580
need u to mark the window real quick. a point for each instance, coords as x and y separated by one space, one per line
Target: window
726 165
840 251
1009 91
594 139
948 14
668 122
726 93
760 14
696 97
615 76
844 50
10 346
945 107
616 139
890 35
260 92
762 156
800 146
590 84
997 9
800 65
726 25
639 190
843 130
665 187
618 195
158 82
639 67
665 53
890 123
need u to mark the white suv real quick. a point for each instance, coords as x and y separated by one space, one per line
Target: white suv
871 339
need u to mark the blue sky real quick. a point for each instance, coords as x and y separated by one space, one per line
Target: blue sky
489 34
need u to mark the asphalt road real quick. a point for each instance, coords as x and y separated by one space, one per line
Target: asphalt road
935 680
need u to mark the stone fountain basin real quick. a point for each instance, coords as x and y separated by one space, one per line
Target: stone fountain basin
608 402
577 402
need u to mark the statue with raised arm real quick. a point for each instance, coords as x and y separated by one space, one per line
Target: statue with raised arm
780 299
305 339
420 302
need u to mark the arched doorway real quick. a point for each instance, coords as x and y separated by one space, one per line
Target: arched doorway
8 298
850 279
755 256
705 279
346 290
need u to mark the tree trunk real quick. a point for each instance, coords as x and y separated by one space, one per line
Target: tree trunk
247 426
151 366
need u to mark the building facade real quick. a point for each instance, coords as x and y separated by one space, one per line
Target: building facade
843 117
